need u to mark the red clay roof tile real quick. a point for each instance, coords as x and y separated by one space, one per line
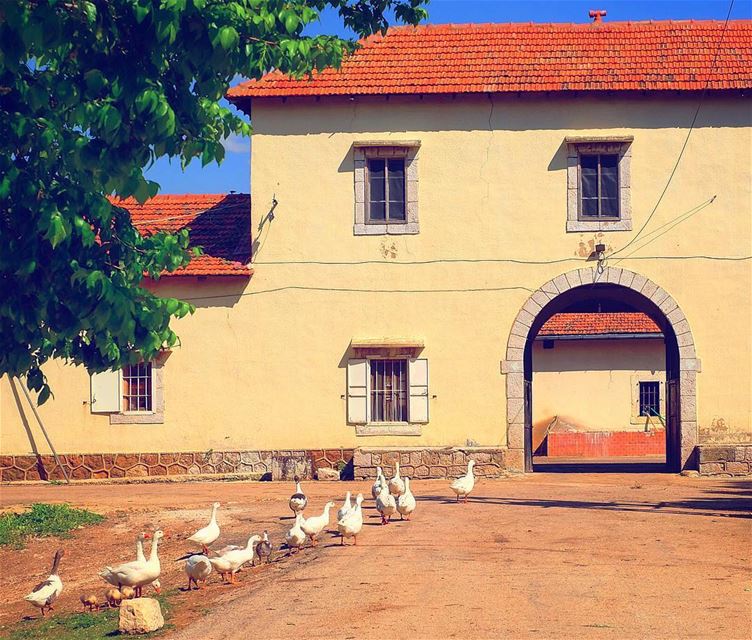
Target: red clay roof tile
220 223
575 324
502 58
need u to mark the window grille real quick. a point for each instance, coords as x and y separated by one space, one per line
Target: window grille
386 190
137 388
599 186
650 401
389 391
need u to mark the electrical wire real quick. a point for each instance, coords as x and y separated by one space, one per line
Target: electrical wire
689 133
673 223
481 261
353 290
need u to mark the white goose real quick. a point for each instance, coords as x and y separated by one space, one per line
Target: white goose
314 525
345 508
198 568
298 500
385 504
352 523
296 537
380 480
45 593
406 502
396 484
140 557
136 574
232 560
464 485
157 585
209 533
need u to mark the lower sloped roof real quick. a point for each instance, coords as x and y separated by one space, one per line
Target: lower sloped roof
579 324
220 223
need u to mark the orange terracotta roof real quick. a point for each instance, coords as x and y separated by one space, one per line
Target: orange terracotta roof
575 324
491 58
220 223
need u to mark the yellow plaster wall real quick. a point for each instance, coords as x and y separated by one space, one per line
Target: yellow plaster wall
266 369
590 383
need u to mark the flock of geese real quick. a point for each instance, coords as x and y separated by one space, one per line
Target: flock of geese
128 580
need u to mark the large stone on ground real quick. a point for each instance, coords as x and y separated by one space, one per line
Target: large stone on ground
140 615
327 474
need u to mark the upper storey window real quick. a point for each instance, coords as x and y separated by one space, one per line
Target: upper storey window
386 187
598 184
386 190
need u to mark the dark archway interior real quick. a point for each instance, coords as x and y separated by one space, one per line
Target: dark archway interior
607 297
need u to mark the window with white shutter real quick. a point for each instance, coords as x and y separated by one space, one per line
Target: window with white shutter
133 395
357 391
384 393
105 392
418 380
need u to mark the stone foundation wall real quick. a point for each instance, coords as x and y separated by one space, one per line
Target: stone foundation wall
434 462
725 459
269 465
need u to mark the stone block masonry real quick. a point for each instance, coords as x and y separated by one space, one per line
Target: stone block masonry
268 465
360 464
430 462
725 459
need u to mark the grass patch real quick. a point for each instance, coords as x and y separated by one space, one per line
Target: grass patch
72 626
81 626
44 520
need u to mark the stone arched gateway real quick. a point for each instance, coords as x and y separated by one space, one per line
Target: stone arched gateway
682 364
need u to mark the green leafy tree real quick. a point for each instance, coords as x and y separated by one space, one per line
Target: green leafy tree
91 93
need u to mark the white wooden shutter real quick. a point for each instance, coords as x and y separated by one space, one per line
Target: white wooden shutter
418 378
105 392
357 391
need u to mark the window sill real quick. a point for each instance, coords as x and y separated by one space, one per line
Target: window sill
599 225
392 229
137 418
652 423
388 429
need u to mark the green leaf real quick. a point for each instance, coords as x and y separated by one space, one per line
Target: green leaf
291 22
140 12
112 119
56 230
94 80
228 37
147 101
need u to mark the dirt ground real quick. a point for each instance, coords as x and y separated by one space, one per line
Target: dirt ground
546 555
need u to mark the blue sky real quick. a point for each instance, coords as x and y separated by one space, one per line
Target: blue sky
234 173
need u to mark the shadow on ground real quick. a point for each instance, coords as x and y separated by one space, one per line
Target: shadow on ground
733 500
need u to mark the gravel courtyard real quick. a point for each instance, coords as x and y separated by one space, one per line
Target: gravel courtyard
541 556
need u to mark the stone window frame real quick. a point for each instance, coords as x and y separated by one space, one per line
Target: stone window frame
577 146
377 428
635 380
156 415
408 150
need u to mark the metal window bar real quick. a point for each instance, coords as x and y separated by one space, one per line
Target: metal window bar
395 208
650 399
137 388
599 196
388 390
